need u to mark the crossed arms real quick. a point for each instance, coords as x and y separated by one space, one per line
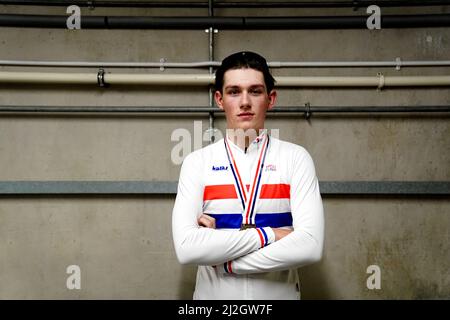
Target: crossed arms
198 242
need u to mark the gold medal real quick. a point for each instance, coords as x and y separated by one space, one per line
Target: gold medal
245 226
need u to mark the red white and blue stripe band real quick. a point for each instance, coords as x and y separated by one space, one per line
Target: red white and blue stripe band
262 237
227 267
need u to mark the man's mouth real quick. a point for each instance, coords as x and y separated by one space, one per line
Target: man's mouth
246 114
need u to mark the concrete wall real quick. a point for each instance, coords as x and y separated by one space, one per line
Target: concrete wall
123 244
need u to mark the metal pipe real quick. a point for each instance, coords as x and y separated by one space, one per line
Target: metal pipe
210 64
230 4
379 81
397 63
236 23
211 71
160 79
48 78
331 4
86 64
209 110
346 22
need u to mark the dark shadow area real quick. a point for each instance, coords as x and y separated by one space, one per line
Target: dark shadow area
186 286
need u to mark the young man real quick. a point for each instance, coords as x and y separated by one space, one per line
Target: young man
248 210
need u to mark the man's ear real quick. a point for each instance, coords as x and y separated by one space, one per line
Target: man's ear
219 99
272 99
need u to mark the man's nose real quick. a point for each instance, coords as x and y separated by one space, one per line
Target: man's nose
245 101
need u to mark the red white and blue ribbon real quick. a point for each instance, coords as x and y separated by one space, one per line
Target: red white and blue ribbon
240 187
248 199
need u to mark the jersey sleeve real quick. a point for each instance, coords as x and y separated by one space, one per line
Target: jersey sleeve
199 245
304 245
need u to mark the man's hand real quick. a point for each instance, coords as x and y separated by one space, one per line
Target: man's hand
280 233
207 221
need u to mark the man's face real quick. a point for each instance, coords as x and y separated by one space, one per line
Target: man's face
244 99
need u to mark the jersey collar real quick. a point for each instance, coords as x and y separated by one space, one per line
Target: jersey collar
254 145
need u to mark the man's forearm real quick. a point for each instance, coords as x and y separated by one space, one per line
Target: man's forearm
205 246
296 250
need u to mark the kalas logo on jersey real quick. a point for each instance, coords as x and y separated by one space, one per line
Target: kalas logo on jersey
271 167
219 168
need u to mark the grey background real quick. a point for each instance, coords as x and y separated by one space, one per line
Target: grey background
123 244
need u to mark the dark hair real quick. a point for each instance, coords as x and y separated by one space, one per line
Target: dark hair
244 60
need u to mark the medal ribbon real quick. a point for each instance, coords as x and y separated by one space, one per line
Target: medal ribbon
248 199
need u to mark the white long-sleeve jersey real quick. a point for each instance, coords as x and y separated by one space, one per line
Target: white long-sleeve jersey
248 264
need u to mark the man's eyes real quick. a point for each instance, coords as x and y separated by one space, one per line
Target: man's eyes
251 91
